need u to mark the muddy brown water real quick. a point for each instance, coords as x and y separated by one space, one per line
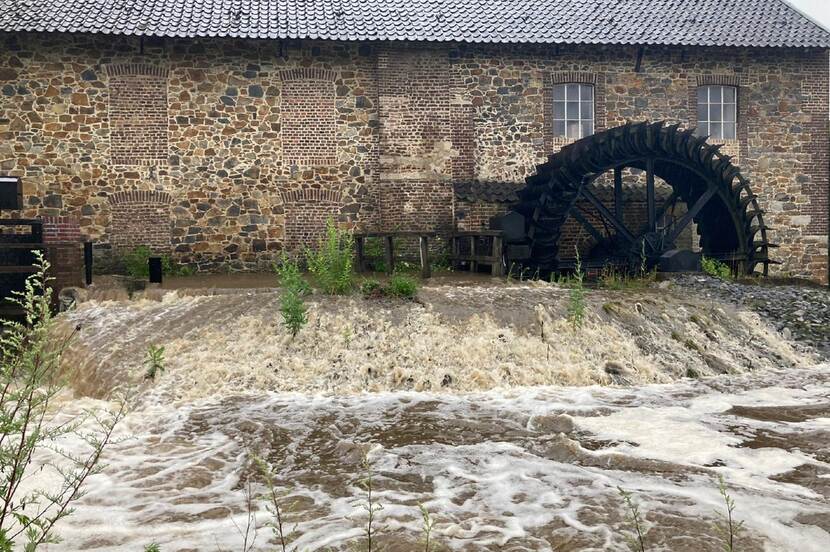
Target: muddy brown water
499 464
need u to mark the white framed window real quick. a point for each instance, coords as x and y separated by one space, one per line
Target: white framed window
573 110
717 112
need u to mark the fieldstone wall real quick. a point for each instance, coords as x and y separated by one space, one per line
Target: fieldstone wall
257 143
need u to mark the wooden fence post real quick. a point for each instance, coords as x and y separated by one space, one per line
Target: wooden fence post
423 242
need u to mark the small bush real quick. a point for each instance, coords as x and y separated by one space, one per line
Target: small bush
715 268
332 262
154 361
402 286
292 307
371 288
293 310
136 263
290 277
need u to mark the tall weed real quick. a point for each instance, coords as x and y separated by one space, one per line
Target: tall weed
332 262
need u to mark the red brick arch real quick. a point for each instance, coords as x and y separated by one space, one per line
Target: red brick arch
306 212
140 217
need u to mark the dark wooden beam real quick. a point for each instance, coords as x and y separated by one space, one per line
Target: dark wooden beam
652 210
580 218
684 221
618 194
607 215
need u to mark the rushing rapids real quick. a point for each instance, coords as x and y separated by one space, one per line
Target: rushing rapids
461 418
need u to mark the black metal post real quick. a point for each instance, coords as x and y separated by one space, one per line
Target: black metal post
88 262
155 269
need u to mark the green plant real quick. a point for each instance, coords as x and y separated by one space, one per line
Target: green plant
154 361
401 285
294 311
715 268
727 528
331 263
152 548
284 536
372 506
290 277
426 528
136 263
634 519
30 377
370 288
576 302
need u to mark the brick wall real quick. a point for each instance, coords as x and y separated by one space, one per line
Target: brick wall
140 218
61 229
226 130
137 113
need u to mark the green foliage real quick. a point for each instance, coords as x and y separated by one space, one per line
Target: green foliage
290 277
715 268
154 361
152 548
294 311
372 506
401 285
292 307
272 497
576 299
611 278
371 288
30 378
332 262
136 264
636 541
727 528
426 528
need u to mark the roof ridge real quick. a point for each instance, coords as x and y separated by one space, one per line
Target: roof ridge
806 16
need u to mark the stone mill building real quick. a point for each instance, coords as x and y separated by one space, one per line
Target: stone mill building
223 133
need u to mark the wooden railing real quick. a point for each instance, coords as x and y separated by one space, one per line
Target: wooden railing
479 247
389 249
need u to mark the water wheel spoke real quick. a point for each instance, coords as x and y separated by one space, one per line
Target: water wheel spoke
618 224
676 228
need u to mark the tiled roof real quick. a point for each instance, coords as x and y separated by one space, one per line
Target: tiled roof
678 22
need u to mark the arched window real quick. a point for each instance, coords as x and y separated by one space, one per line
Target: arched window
717 112
573 110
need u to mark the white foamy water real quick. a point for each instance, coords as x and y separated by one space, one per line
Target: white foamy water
500 464
494 468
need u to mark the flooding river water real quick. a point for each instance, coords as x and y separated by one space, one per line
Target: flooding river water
512 468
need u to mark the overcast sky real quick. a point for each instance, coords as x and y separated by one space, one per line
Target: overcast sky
817 9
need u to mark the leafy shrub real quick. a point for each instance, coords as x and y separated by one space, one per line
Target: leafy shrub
371 287
136 263
292 307
290 277
30 376
715 268
154 361
332 262
401 285
294 311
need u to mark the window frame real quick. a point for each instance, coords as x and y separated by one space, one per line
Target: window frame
704 125
579 120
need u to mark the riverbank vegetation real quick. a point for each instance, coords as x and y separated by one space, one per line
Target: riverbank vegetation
30 444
